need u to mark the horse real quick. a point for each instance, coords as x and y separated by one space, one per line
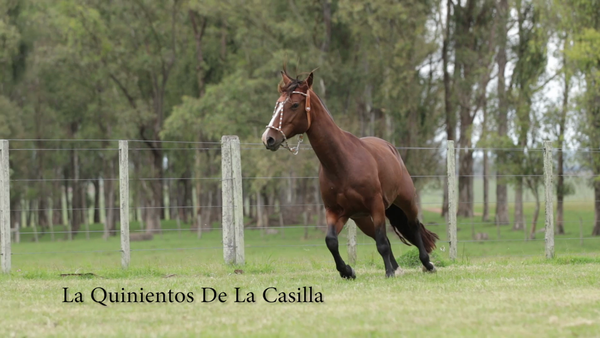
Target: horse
363 179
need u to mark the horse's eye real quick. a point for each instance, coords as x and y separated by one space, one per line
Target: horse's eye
295 105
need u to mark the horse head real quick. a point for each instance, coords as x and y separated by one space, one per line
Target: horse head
291 115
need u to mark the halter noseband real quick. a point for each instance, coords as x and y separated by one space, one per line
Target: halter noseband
279 109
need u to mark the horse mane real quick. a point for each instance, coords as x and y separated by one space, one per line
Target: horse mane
290 87
324 106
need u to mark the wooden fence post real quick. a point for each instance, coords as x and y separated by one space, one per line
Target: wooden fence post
352 242
451 166
124 202
549 233
5 207
233 203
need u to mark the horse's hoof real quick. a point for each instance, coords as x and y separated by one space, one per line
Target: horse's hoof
348 275
399 272
395 273
433 270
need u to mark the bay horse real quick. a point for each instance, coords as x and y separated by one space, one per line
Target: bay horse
363 179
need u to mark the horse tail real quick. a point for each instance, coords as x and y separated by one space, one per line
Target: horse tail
407 232
429 238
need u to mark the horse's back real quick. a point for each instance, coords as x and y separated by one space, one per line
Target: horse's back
382 150
396 184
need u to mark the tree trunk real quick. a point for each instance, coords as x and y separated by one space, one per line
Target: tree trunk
486 184
173 202
519 205
57 202
465 184
596 230
199 28
154 194
465 158
260 221
185 196
536 213
28 214
486 188
42 210
560 190
501 188
66 187
448 96
109 198
198 174
76 200
153 189
208 214
96 184
15 212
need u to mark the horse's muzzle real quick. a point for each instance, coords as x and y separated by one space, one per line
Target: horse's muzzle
270 142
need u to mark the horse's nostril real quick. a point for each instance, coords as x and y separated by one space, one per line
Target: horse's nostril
270 141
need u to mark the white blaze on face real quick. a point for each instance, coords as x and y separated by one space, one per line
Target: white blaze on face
276 111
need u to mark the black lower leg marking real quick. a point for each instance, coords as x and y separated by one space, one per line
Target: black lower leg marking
383 247
332 244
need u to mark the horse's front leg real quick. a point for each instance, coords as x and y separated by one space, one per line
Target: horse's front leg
383 244
335 224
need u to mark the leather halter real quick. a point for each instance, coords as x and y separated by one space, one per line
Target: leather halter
279 110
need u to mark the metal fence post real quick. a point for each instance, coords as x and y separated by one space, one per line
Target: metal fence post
233 221
549 187
352 241
5 207
124 202
451 166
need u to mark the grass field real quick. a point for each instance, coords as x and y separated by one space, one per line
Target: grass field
495 289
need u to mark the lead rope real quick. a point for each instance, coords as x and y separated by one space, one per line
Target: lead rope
279 108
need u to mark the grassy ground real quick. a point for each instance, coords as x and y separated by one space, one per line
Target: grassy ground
524 298
496 289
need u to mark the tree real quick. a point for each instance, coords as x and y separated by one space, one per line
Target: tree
501 188
136 46
474 43
530 65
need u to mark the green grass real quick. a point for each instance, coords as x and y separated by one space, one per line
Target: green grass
495 289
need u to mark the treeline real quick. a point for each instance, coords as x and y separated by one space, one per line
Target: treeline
416 73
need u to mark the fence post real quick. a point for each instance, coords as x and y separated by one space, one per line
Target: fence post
124 201
451 164
352 242
233 203
5 207
549 187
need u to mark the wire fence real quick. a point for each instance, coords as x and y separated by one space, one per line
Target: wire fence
72 195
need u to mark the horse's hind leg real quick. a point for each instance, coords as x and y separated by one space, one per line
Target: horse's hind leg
411 231
423 255
334 227
366 225
383 244
397 270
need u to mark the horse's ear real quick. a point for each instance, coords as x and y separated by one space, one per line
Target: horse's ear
309 80
286 78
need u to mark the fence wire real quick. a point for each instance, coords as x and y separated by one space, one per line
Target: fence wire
282 217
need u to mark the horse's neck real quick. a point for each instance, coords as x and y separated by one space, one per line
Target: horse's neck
327 139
